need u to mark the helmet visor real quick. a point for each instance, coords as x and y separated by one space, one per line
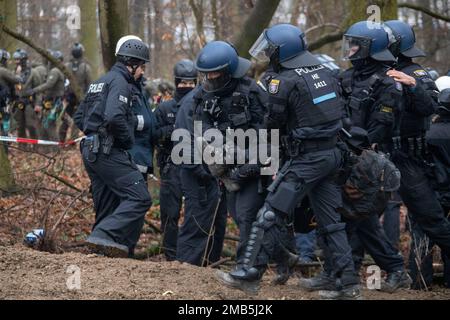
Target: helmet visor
215 81
262 49
355 48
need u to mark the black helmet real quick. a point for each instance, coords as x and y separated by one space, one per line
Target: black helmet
444 101
57 55
77 50
133 50
4 56
20 54
185 69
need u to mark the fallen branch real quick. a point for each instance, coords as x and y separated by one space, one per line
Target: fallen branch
218 263
62 180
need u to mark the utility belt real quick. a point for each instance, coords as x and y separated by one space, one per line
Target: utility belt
296 147
21 103
49 102
98 143
413 146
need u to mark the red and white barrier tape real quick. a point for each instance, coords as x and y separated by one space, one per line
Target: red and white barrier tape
40 142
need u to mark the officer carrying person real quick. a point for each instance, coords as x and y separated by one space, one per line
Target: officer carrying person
374 103
409 148
121 197
303 98
232 100
170 194
83 74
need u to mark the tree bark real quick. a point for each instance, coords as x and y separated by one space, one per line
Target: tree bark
89 37
137 17
113 17
197 9
7 183
258 19
8 12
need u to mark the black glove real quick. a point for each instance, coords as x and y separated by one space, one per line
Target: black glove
213 107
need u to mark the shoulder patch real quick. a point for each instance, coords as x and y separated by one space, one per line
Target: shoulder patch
386 109
420 73
123 99
274 86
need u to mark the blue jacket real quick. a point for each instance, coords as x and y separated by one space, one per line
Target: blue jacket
145 130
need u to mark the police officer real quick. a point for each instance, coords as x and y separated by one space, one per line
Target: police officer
120 194
374 103
82 71
304 99
24 106
170 194
231 100
409 149
7 82
201 236
438 141
52 91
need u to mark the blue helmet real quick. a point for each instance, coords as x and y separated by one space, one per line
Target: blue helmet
366 39
407 38
285 44
221 56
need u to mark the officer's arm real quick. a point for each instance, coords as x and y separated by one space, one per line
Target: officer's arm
10 77
258 104
382 118
422 98
50 83
117 104
163 130
276 115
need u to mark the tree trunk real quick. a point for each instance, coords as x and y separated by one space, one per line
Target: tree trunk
358 10
157 37
8 10
89 37
259 19
113 18
137 17
6 178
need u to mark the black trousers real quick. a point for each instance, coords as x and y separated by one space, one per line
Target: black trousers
170 199
120 194
201 236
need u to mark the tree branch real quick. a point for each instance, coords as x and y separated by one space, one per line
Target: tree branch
424 10
325 39
73 82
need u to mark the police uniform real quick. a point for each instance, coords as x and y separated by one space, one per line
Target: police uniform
52 92
170 195
204 205
120 194
438 142
82 72
305 101
7 82
374 102
24 113
416 189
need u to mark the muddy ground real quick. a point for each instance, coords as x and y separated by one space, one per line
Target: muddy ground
29 274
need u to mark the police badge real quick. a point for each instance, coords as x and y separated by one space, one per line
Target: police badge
274 85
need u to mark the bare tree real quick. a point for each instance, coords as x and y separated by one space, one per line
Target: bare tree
8 12
113 17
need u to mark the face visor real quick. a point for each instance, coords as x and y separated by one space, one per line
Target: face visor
215 80
263 49
355 48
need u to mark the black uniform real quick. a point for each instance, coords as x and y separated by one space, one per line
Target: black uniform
201 236
306 102
438 140
416 188
120 193
374 103
241 107
170 195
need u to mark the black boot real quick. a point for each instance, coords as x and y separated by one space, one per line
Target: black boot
351 292
323 281
396 280
248 286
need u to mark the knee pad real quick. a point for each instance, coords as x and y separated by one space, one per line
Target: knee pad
286 196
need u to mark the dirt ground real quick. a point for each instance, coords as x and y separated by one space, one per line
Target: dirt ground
29 274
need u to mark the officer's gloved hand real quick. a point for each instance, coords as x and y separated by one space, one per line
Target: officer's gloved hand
212 106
